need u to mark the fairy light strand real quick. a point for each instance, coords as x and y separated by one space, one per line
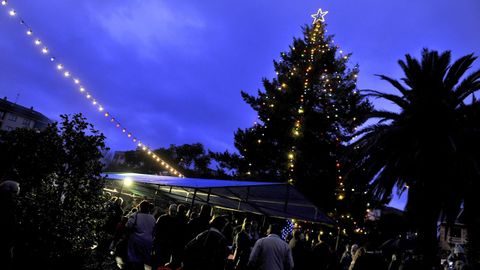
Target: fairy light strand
64 72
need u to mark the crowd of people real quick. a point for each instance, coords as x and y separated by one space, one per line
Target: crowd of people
149 237
178 239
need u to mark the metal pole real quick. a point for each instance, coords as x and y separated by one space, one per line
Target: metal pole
208 196
193 199
121 188
338 240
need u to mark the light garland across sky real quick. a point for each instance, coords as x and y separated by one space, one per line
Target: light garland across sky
87 94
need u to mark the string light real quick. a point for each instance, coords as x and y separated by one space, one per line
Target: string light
44 50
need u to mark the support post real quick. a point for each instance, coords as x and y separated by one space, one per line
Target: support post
208 196
193 199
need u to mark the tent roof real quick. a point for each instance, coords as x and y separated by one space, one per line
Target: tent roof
267 198
186 182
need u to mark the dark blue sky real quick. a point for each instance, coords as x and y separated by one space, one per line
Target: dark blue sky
172 71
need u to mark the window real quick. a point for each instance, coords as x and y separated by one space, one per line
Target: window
12 117
2 114
26 122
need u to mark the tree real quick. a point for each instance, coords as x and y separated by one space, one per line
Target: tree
430 146
306 116
192 159
61 201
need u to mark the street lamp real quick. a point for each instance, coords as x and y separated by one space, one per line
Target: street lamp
126 182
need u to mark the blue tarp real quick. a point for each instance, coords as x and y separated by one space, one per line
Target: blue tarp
267 198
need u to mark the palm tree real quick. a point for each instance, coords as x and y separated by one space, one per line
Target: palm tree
431 146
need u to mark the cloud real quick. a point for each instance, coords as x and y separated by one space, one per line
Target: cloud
147 25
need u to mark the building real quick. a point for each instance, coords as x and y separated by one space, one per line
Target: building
455 235
14 116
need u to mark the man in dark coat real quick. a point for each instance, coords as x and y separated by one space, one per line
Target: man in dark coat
208 250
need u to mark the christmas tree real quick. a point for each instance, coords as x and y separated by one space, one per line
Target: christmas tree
306 117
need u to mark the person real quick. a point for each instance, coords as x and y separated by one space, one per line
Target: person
114 215
299 250
165 237
243 243
357 260
9 190
139 247
322 255
271 252
209 249
346 258
180 237
200 223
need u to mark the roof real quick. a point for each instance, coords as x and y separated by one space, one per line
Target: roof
267 198
11 107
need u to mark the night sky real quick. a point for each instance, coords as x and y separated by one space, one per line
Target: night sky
171 72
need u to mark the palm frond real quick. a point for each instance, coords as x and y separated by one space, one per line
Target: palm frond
457 70
387 115
468 86
395 84
398 100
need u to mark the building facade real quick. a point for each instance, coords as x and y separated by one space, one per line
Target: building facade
13 116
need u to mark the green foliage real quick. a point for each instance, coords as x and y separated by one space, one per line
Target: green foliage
431 145
311 109
61 202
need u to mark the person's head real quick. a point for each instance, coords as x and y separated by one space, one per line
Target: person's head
246 225
218 222
144 207
172 209
181 210
354 249
297 234
322 237
254 225
9 188
360 252
274 228
206 211
119 201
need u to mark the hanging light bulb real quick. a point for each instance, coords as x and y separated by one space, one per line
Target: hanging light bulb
29 32
4 3
12 13
44 50
37 42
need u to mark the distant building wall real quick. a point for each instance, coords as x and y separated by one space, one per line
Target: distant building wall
13 116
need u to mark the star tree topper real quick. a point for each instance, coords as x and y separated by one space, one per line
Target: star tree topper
319 16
